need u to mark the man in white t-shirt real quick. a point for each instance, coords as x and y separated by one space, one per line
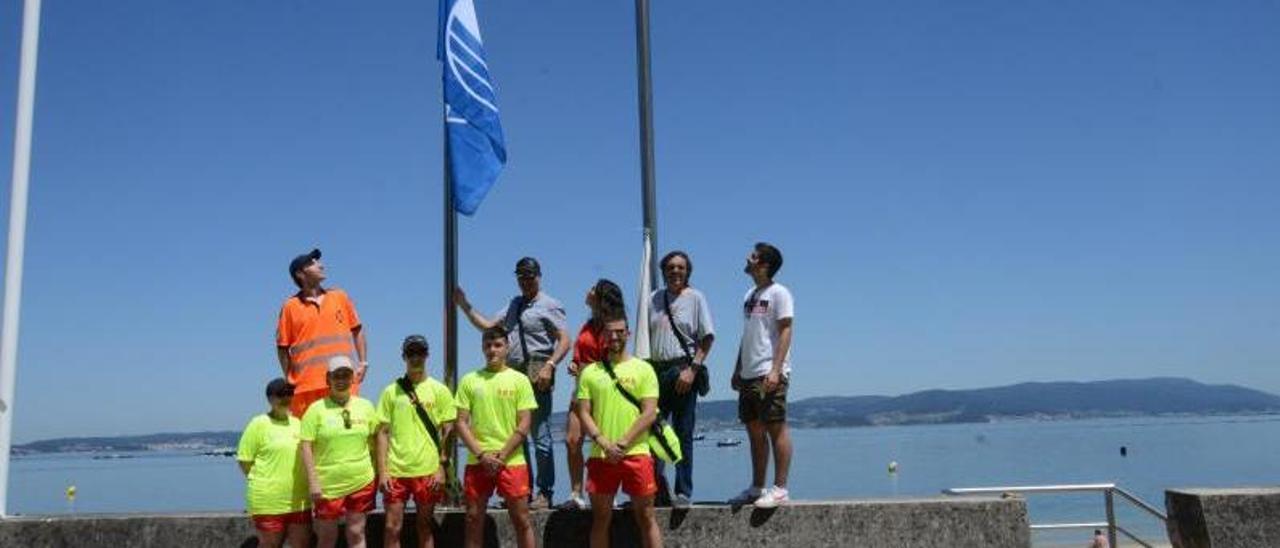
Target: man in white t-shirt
763 375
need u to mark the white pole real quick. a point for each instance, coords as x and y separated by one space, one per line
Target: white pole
17 237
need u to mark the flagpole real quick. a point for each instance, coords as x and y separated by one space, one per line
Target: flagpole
17 236
450 282
646 134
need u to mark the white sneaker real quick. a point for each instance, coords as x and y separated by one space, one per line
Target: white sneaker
681 501
773 497
747 496
575 502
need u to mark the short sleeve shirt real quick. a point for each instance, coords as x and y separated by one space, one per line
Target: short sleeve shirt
692 315
542 319
589 347
494 400
411 453
761 313
342 456
277 483
612 413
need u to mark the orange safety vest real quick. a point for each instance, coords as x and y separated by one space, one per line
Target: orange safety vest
313 334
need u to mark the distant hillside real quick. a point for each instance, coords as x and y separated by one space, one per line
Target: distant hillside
1033 400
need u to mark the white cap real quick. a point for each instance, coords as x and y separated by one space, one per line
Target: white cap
339 362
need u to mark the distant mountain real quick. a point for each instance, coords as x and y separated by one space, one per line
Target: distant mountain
1033 400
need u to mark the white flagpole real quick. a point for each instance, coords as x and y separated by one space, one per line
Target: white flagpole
17 237
641 343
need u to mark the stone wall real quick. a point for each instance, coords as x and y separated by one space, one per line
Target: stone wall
1224 518
933 522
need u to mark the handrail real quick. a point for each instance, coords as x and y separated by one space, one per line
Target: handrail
1109 490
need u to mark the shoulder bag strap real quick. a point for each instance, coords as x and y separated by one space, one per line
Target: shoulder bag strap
666 305
655 429
524 346
407 386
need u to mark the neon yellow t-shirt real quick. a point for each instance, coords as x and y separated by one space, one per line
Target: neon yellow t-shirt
277 484
410 451
612 413
342 456
494 400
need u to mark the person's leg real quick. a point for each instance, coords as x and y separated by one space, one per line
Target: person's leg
355 529
299 535
394 520
684 421
756 433
518 511
475 522
573 446
270 539
326 533
601 514
646 521
780 435
426 525
667 402
542 442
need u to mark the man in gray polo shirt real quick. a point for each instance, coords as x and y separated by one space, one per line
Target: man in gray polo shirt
680 337
537 340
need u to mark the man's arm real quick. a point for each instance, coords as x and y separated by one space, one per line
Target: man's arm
524 418
282 354
779 354
362 351
380 458
309 464
463 426
704 348
478 320
648 413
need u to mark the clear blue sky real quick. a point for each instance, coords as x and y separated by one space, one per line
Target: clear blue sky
967 193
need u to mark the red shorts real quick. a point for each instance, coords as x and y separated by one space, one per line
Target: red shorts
424 490
634 474
276 523
510 482
361 501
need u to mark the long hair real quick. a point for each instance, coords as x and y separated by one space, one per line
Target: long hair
609 301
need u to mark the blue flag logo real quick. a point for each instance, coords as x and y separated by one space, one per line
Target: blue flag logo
477 148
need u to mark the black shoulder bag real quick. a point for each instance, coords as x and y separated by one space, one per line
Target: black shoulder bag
702 377
663 442
407 386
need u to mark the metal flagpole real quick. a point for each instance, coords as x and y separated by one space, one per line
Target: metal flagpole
450 282
17 236
646 134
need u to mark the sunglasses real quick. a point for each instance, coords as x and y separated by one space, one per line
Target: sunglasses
346 419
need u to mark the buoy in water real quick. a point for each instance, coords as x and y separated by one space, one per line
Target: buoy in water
71 492
893 467
1124 451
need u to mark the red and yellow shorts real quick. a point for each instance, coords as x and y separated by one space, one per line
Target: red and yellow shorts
634 474
361 501
510 482
423 489
276 523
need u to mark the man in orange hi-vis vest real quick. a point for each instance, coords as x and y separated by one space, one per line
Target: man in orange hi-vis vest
315 325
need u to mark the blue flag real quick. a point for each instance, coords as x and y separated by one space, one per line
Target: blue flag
477 149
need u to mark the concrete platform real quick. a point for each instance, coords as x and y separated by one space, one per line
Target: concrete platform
908 523
1224 518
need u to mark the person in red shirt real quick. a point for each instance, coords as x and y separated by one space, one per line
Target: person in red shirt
315 325
588 348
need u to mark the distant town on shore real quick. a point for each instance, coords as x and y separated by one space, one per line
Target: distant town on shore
1025 401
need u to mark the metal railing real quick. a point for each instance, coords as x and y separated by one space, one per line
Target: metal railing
1108 490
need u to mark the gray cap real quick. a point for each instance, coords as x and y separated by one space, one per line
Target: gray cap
339 362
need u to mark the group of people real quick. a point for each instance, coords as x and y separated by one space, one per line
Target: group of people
322 452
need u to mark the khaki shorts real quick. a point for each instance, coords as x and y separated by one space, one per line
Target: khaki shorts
756 405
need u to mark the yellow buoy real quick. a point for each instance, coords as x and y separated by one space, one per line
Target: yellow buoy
71 492
893 467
